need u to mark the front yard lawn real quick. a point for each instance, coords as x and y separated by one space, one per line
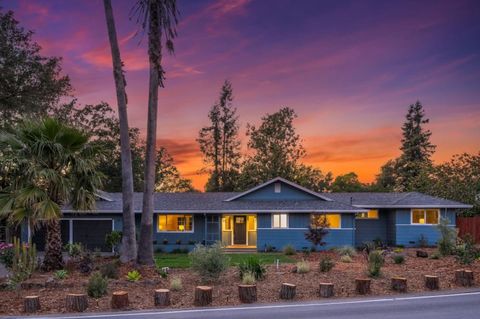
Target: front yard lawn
183 261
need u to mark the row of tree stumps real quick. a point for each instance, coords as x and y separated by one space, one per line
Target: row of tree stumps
246 293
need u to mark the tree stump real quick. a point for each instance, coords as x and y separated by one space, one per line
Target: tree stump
288 291
162 297
31 304
362 286
431 282
326 289
76 302
203 295
464 278
422 254
399 284
119 300
247 293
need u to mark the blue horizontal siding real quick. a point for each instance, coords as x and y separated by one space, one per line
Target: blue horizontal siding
368 230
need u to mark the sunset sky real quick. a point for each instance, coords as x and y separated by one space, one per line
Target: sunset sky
349 68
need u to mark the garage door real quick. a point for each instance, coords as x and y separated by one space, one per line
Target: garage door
91 233
39 235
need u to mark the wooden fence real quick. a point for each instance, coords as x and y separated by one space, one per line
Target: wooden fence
469 225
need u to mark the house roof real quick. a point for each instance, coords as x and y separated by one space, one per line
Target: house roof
217 203
395 200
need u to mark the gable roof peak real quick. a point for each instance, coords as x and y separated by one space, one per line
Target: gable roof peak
283 180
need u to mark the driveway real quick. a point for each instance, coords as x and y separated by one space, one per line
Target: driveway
442 305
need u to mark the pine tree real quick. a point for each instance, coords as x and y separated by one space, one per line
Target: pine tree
413 165
219 143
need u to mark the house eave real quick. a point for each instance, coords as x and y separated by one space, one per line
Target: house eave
414 206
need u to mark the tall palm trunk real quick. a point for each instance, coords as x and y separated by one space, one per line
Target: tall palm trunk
145 248
129 245
53 249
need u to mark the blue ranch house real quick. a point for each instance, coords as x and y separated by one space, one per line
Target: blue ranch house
270 215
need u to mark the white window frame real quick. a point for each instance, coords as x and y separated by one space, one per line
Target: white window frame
176 231
280 220
425 216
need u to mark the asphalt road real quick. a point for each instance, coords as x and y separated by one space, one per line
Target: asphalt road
455 305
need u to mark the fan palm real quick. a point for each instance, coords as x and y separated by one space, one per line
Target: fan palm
160 18
55 166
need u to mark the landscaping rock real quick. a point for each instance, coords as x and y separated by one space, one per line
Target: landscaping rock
422 254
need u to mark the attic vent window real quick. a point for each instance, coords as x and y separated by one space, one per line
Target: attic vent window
278 187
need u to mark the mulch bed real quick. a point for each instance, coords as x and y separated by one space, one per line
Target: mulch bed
225 291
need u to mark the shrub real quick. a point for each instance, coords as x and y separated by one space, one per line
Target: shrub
73 250
326 264
60 274
113 241
6 254
24 262
209 262
252 265
448 236
270 249
97 285
466 253
346 259
303 267
317 230
398 250
134 276
85 266
368 247
162 271
110 270
398 259
347 251
435 255
289 250
375 263
176 284
248 278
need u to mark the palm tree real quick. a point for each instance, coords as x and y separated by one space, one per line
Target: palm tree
160 18
129 243
55 166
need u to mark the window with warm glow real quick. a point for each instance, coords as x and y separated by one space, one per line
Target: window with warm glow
251 223
371 214
333 220
279 220
175 223
425 216
227 223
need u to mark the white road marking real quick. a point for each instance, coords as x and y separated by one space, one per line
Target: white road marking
317 304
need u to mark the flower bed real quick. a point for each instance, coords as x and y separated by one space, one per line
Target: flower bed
225 290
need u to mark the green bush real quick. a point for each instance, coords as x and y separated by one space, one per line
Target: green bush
398 250
346 259
448 237
60 274
398 258
303 267
326 264
435 255
289 250
97 285
209 262
252 265
466 252
74 250
375 263
24 262
248 278
134 276
176 284
113 241
6 254
110 270
347 251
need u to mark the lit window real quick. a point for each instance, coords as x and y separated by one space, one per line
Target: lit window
333 220
371 214
227 223
279 221
425 216
251 223
175 223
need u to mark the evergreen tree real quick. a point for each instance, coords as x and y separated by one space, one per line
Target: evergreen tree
413 165
385 180
167 176
219 143
348 183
